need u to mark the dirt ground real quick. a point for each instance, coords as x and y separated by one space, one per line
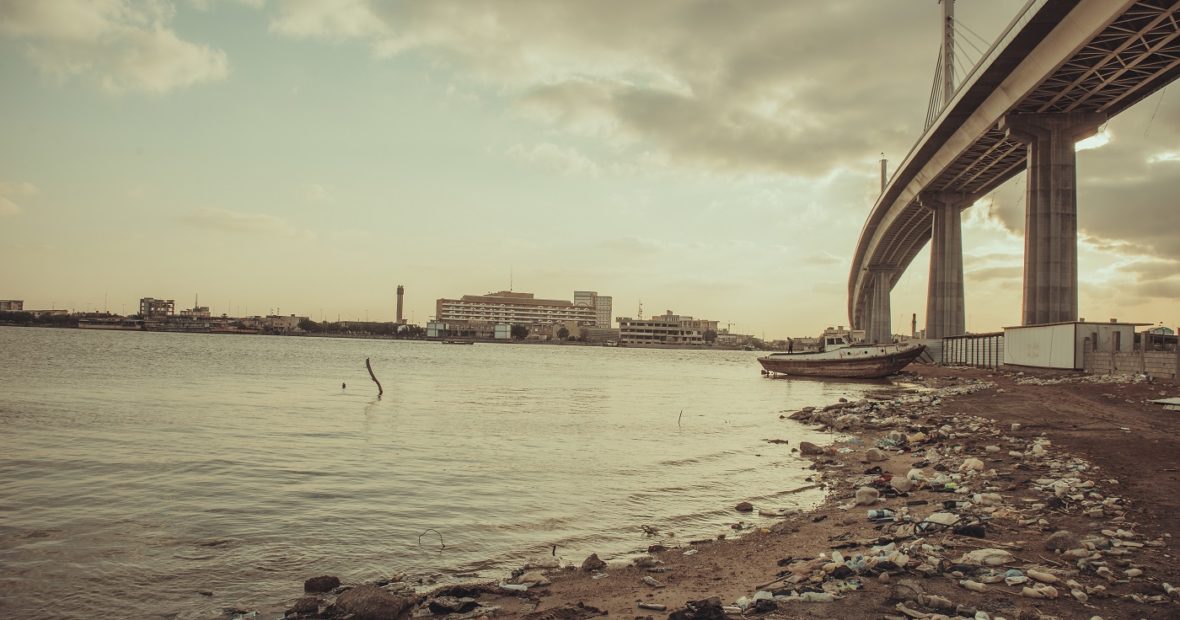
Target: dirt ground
1131 446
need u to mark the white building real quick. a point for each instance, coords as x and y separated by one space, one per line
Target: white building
665 329
513 308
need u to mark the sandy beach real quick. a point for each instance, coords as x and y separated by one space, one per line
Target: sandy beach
1004 495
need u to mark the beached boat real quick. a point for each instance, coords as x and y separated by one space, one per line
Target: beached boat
839 358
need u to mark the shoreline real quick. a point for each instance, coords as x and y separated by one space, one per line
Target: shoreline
1016 486
436 340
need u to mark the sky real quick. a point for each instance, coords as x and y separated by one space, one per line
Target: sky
715 159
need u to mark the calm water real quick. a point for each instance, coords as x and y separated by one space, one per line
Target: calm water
138 469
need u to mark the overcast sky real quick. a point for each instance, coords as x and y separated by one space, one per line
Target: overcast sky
713 158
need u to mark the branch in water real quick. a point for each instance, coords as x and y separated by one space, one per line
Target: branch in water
440 539
374 377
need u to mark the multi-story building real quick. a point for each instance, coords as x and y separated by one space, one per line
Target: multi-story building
512 308
12 305
665 329
853 335
197 312
600 303
282 324
151 308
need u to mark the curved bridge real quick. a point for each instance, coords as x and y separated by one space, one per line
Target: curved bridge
1059 70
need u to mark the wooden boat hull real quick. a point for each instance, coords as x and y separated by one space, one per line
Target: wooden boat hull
852 363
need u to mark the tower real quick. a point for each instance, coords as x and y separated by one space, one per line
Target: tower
401 292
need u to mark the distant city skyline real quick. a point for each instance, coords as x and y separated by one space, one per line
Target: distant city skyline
714 159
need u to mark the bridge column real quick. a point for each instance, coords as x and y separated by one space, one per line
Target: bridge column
945 313
1051 211
878 327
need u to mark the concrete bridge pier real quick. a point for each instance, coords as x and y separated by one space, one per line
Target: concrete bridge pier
878 327
1051 211
945 305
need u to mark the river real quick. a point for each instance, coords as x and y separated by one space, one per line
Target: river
142 471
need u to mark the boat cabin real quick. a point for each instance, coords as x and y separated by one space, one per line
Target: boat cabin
831 343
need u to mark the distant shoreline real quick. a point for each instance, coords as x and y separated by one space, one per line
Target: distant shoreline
367 336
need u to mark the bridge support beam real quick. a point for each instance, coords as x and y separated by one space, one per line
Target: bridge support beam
1051 211
945 305
878 327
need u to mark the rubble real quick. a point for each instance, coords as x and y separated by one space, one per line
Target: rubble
972 475
952 516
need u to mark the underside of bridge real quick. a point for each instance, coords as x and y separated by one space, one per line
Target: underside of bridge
1062 72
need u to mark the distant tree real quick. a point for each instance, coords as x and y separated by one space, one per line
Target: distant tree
309 325
583 334
710 336
563 333
520 332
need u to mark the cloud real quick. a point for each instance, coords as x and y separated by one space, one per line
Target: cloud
633 246
565 161
802 89
224 220
806 89
1154 278
318 193
8 207
331 19
122 44
1001 273
10 190
1127 185
822 259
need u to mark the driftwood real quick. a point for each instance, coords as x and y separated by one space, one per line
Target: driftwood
374 377
442 545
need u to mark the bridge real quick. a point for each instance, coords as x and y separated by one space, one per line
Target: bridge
1053 77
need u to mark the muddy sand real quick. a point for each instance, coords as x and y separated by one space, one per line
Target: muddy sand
1002 495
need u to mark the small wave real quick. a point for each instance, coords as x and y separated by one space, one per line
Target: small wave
700 458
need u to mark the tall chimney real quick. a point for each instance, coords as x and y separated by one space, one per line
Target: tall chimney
883 177
401 292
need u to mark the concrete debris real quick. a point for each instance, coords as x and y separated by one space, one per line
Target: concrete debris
980 511
593 563
976 466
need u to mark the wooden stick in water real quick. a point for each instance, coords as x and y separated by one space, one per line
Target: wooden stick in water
374 377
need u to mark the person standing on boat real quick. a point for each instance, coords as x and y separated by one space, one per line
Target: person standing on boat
790 345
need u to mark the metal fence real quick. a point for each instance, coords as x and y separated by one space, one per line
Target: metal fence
981 350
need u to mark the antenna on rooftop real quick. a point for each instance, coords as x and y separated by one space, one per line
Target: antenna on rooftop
510 278
640 314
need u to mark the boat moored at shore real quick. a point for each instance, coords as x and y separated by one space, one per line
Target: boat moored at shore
841 359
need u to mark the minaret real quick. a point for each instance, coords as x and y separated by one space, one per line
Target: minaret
401 291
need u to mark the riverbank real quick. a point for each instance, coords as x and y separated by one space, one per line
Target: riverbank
983 475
